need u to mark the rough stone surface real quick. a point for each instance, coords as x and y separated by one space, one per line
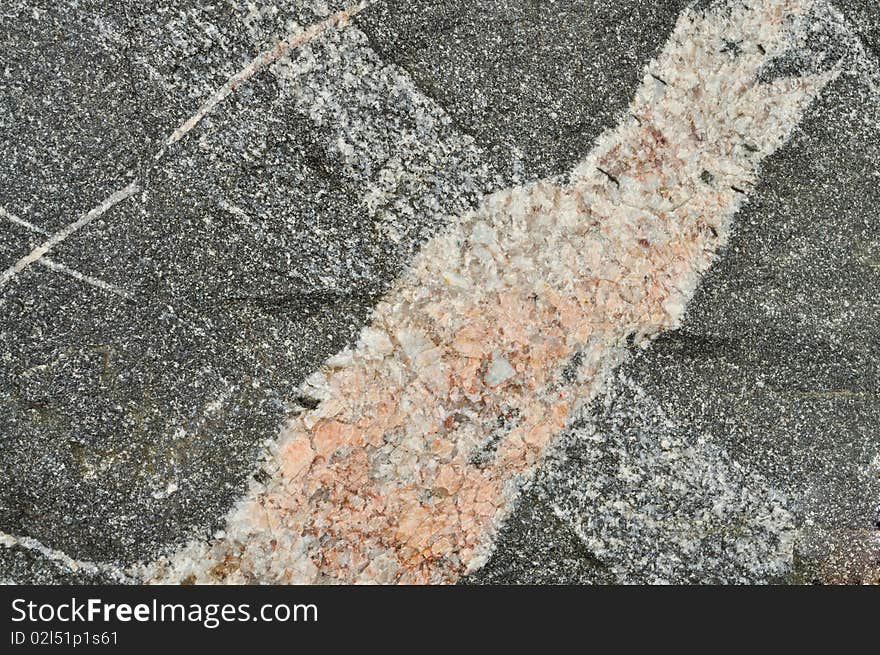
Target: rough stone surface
647 500
864 18
741 448
254 252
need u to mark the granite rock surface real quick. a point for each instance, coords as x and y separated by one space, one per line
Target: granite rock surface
153 354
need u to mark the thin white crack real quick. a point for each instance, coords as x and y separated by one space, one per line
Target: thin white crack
12 218
60 557
379 483
339 19
40 251
86 279
265 58
62 268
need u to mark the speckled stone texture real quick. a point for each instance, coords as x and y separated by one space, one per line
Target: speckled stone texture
250 255
742 447
507 321
534 83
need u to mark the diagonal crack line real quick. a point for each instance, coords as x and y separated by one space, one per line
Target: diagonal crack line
62 558
62 268
295 40
12 218
265 58
483 325
37 253
86 279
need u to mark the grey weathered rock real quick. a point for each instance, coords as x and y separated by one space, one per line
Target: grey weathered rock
131 414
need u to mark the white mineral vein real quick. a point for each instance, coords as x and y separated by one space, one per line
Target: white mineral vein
59 237
12 218
339 19
29 543
85 279
61 268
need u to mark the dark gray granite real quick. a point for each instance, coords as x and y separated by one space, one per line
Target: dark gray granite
781 350
26 566
15 241
253 252
864 17
646 500
89 89
260 242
